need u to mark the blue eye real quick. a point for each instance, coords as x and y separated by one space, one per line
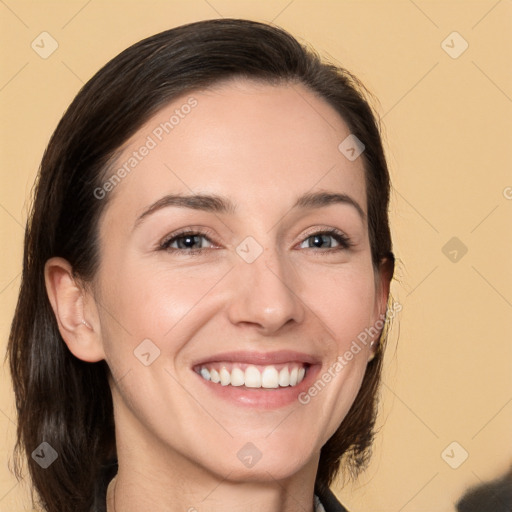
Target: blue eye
324 240
188 241
195 242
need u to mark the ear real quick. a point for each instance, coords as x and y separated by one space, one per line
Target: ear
75 311
383 277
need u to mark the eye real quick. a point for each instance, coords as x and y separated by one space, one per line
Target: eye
328 239
188 241
196 241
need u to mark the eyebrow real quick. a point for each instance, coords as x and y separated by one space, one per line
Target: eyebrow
218 204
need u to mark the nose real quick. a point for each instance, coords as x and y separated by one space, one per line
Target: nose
265 295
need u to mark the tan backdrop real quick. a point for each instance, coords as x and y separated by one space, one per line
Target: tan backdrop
441 71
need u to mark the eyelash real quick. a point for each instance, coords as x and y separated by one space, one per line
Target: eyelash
340 237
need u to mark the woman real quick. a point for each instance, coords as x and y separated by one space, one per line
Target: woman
201 319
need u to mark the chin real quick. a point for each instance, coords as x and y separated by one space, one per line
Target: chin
264 461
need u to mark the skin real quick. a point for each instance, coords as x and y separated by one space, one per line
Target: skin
261 146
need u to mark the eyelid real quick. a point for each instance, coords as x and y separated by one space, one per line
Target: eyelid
189 230
347 242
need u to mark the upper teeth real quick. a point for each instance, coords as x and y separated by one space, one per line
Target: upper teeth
255 377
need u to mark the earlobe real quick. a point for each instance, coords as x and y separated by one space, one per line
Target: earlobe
78 322
386 270
385 274
373 351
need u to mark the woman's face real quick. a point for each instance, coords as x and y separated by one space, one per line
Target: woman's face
235 247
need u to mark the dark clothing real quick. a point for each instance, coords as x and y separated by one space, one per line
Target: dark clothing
330 502
100 492
327 497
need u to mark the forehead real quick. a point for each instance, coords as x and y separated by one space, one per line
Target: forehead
252 141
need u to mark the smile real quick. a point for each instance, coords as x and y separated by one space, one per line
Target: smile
254 376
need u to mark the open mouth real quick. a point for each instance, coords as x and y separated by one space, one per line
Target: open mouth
253 376
261 380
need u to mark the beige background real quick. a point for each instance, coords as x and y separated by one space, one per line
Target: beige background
447 124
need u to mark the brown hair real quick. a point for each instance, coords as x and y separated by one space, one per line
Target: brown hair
65 401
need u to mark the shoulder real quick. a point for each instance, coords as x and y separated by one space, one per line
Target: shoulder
107 472
329 501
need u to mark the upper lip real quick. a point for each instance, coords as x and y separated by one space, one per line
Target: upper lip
259 358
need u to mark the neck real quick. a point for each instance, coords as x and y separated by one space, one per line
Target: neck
155 476
158 479
124 496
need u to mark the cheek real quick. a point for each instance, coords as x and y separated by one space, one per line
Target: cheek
141 301
344 300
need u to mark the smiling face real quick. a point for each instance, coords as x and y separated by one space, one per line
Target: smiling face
217 311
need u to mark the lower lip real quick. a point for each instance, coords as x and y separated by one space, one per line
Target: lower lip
262 398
